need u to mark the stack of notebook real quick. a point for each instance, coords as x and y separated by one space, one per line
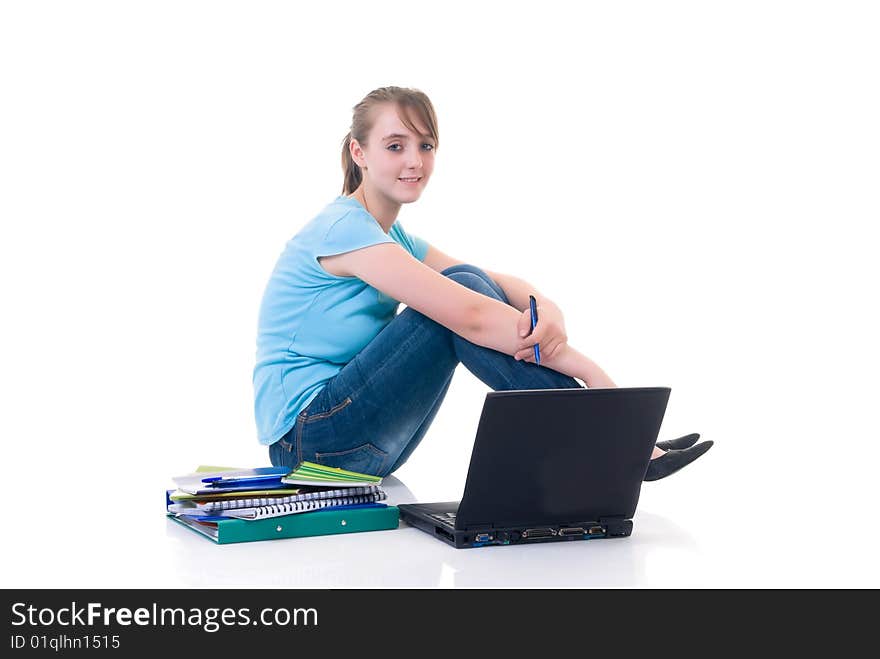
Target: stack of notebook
242 505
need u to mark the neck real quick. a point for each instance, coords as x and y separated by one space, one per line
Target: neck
380 207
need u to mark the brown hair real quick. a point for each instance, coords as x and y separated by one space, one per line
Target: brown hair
362 122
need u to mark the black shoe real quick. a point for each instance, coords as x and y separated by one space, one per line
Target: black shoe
672 461
682 442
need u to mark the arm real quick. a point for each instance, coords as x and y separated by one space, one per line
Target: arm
516 290
550 332
565 359
479 319
569 361
391 269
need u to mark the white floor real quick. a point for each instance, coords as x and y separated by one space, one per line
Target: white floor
763 508
687 534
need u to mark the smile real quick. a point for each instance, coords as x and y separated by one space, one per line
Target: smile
414 179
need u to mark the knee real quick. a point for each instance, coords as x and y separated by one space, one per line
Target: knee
472 281
475 279
467 268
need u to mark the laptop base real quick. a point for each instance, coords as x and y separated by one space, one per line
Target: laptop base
425 517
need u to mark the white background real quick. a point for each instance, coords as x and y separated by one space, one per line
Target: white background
694 183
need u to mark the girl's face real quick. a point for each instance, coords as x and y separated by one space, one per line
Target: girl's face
398 161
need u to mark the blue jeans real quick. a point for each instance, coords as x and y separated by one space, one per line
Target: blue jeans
371 416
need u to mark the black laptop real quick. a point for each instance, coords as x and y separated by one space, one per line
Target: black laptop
551 465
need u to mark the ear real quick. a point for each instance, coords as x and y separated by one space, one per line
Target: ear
357 153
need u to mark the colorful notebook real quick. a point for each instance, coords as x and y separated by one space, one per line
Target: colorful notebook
180 495
309 473
376 517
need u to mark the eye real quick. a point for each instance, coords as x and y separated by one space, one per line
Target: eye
391 147
430 147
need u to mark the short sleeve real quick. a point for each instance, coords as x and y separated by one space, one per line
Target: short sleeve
350 232
413 244
420 247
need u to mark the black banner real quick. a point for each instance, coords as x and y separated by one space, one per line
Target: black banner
124 622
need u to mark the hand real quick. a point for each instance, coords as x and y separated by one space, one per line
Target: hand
549 333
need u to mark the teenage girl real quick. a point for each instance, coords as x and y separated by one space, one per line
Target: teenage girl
341 379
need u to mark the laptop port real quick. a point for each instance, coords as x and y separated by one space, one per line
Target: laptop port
571 530
482 537
596 530
444 533
538 533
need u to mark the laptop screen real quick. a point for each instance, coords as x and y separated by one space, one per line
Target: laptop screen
560 455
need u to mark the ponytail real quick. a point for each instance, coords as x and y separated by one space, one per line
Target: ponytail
351 173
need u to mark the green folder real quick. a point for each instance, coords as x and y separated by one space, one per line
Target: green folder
298 525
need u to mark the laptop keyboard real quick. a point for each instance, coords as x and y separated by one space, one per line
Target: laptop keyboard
445 518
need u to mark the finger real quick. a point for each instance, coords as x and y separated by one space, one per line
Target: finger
523 324
528 342
551 339
525 356
538 335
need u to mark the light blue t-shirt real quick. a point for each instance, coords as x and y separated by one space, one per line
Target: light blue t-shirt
312 323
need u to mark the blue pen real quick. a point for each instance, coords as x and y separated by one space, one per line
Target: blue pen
533 307
259 473
264 483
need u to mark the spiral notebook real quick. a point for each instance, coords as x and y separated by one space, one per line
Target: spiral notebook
277 510
215 506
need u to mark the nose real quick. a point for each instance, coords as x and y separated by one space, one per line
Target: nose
414 161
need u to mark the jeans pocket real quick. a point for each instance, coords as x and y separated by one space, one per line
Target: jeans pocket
365 459
283 453
308 416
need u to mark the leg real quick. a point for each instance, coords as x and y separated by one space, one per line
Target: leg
498 370
375 411
422 430
456 273
380 405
